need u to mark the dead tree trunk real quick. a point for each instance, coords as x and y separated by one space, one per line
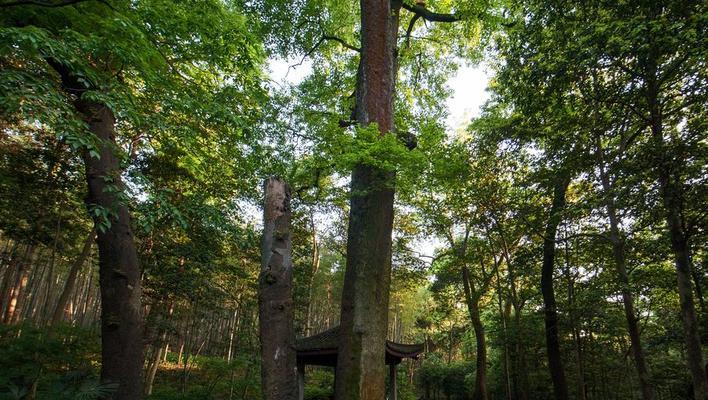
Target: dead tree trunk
275 303
555 363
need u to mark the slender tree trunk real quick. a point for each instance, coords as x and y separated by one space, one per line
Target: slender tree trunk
472 299
26 305
504 317
275 303
618 252
520 364
59 310
43 316
555 362
315 268
158 350
581 386
10 269
361 369
21 277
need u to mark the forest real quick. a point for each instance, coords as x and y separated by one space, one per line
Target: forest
265 199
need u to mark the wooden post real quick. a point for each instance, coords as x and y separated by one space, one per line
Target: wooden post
301 381
393 390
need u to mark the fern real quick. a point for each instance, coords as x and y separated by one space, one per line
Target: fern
92 389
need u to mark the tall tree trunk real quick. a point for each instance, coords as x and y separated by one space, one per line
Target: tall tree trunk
59 310
361 369
671 190
472 299
504 317
275 303
119 270
619 256
555 363
581 386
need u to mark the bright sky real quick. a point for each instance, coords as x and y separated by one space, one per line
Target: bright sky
468 95
467 88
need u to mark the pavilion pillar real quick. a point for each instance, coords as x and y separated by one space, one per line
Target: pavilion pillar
300 381
393 390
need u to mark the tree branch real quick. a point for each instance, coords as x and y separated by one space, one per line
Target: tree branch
410 29
430 15
50 4
342 42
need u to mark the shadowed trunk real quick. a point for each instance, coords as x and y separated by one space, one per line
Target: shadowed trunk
618 253
555 363
159 349
275 303
361 370
671 190
472 299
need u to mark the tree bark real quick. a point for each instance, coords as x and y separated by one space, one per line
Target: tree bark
119 270
555 363
275 303
361 370
472 299
59 310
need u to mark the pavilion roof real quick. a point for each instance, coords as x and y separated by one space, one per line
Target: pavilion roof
321 349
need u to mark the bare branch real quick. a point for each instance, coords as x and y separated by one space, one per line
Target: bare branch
342 42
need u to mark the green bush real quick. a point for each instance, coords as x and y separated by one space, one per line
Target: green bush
451 381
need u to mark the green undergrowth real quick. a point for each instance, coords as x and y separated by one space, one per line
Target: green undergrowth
64 364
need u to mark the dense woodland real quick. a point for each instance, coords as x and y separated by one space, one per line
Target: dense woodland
555 247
